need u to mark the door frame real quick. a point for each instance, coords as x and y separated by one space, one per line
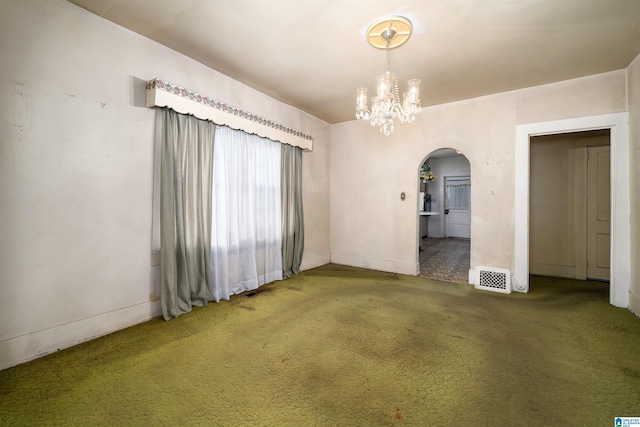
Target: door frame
592 269
617 123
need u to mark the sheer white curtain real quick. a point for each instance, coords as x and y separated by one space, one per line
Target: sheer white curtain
458 193
246 232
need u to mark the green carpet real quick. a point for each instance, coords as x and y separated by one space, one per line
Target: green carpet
339 346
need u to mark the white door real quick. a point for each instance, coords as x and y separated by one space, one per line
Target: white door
598 213
457 206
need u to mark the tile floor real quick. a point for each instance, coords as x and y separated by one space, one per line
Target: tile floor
445 259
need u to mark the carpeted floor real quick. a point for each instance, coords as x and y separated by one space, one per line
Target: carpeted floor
445 259
339 346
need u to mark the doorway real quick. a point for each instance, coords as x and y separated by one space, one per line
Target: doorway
620 217
569 205
444 217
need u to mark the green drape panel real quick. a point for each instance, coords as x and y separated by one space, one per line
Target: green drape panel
292 217
185 212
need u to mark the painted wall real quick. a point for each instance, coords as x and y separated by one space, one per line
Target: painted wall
633 76
557 221
371 226
76 173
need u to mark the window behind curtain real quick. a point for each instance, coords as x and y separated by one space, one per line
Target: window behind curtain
246 231
458 193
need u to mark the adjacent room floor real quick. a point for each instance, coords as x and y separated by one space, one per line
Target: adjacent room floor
445 259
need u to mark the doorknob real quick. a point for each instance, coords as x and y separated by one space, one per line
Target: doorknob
446 211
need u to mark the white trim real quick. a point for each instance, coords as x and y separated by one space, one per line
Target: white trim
24 348
310 261
634 304
553 270
378 264
620 217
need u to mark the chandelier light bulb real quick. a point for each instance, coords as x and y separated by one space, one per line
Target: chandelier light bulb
414 91
361 98
384 85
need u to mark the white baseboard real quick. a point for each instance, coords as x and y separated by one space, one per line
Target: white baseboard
552 270
17 350
314 260
634 303
387 265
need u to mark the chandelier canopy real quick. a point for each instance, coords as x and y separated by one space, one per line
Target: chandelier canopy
389 33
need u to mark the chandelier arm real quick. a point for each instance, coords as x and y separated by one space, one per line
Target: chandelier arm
402 115
364 115
406 116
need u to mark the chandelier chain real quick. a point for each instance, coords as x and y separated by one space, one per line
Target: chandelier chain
388 57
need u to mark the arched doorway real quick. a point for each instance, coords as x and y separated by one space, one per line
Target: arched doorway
444 212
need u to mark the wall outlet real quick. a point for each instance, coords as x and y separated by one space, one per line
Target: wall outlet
365 263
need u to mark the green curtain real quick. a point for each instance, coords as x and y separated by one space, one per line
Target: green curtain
185 212
292 217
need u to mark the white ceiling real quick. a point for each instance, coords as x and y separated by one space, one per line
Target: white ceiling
313 54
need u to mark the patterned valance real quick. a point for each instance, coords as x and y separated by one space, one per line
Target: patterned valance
161 93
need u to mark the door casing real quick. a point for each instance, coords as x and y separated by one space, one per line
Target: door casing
617 123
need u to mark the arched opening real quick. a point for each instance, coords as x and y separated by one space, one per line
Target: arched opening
444 216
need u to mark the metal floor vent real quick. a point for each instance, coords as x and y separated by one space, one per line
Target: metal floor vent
493 279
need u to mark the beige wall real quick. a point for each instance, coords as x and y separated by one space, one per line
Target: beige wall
371 226
633 76
583 97
76 171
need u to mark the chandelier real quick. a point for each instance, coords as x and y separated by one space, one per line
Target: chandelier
389 33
